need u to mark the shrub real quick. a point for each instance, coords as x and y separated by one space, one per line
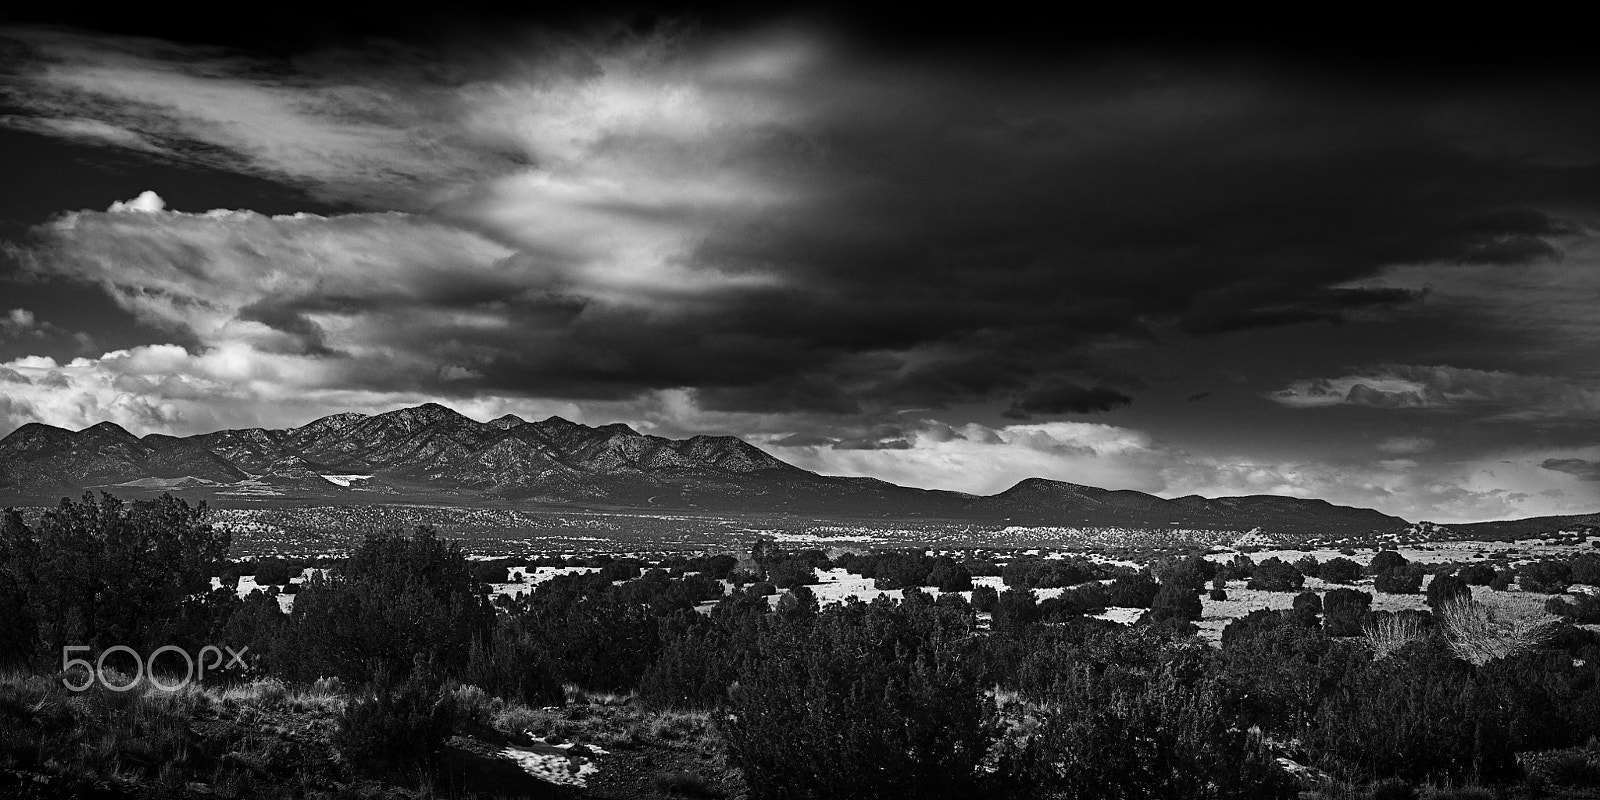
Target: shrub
100 572
1501 581
1219 594
397 598
1544 577
1308 564
1573 769
791 572
1132 591
1344 611
1387 633
472 705
1162 734
1394 789
1421 714
867 700
1385 561
1478 575
273 572
1242 566
621 569
397 730
1307 606
1398 580
1308 602
949 576
1340 570
1174 601
1276 575
1189 573
1251 625
984 598
1585 611
1015 609
1585 568
18 630
1479 633
1447 588
684 784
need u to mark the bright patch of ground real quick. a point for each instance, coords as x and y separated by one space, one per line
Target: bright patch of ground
555 763
534 577
346 480
1216 614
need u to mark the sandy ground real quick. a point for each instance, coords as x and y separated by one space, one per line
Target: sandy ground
1436 552
534 577
554 762
1215 615
837 585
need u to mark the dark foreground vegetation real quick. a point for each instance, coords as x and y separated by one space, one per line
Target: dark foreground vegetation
395 676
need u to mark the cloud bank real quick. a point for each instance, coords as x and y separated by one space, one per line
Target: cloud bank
875 265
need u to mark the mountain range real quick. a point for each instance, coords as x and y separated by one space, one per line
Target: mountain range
431 453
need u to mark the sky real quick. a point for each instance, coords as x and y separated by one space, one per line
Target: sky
949 253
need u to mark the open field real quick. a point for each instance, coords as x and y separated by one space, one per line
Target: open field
531 530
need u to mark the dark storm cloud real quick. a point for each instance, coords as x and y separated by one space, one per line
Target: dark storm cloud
799 225
1331 305
1067 398
1577 467
306 334
1045 224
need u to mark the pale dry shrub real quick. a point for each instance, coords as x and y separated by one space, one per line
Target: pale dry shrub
575 694
676 725
517 718
1390 632
1480 633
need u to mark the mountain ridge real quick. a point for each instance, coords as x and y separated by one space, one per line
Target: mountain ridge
435 453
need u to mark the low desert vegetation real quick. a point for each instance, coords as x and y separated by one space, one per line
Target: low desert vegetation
723 676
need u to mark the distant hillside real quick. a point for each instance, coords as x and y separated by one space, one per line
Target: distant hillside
433 454
1525 528
1037 501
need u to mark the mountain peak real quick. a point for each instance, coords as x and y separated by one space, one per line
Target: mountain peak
507 422
332 422
31 430
425 414
110 429
1043 484
34 437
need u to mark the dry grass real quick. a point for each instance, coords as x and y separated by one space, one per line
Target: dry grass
606 725
323 696
1392 632
577 695
1479 632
